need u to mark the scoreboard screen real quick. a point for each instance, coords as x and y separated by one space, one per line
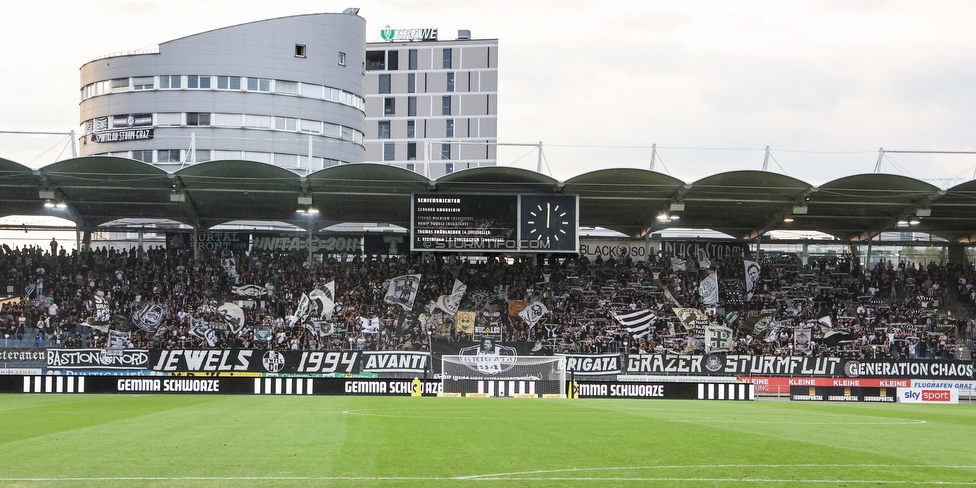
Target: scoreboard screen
494 223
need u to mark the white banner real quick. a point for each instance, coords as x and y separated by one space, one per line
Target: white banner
618 249
928 395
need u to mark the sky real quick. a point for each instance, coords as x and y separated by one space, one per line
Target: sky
825 84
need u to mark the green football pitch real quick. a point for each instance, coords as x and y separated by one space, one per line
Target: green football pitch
184 440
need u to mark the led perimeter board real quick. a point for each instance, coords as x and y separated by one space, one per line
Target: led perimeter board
494 223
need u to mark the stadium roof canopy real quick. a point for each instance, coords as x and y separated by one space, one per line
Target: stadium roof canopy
743 204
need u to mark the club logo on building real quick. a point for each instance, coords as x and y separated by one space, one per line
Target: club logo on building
387 33
273 361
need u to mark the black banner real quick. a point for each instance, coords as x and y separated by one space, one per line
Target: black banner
257 361
386 244
710 249
321 244
234 241
661 391
23 358
843 394
234 386
396 362
594 365
68 359
456 222
737 365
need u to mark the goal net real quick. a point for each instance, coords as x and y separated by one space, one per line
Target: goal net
504 376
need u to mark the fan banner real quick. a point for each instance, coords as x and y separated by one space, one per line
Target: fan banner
744 365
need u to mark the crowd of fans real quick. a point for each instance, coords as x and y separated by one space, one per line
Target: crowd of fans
889 310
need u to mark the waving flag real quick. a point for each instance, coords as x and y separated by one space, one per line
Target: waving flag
402 291
637 323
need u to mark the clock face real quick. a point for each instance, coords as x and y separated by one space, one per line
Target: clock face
549 221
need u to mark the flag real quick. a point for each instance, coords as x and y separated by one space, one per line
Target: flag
703 261
669 296
691 318
263 333
752 277
449 303
515 307
637 323
233 315
533 312
29 289
832 337
678 264
758 323
147 316
324 301
402 291
717 339
802 339
464 322
205 331
826 321
321 328
249 290
708 289
303 310
118 340
230 267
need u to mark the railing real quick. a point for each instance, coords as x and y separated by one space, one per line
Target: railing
154 49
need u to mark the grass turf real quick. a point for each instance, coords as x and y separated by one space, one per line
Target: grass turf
185 440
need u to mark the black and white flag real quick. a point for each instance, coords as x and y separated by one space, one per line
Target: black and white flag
717 339
118 340
324 299
802 339
251 290
691 318
533 312
230 267
757 324
402 291
449 303
752 277
708 289
304 310
233 315
678 264
205 331
638 323
263 333
147 316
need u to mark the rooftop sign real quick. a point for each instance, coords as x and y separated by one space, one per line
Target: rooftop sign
389 34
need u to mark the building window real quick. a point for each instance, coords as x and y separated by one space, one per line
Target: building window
168 156
445 105
448 168
375 60
450 82
285 123
195 81
383 129
228 82
342 59
411 151
286 87
259 84
445 150
120 85
411 83
410 167
389 151
393 60
169 81
411 129
411 106
143 83
384 84
412 59
144 156
447 58
389 106
450 128
193 118
299 50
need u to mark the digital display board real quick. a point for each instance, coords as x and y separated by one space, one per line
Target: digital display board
494 223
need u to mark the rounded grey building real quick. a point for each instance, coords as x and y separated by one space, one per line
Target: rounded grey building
286 91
